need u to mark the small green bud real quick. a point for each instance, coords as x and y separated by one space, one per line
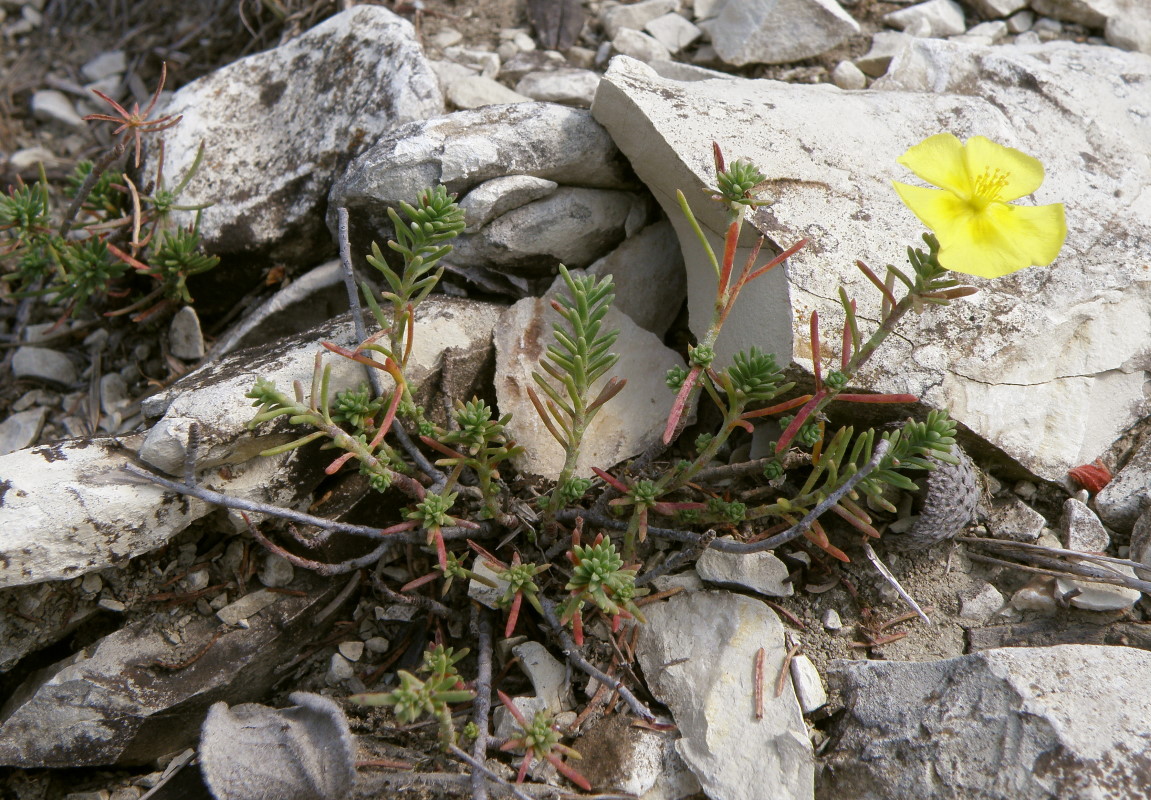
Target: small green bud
700 356
773 469
675 377
702 441
835 379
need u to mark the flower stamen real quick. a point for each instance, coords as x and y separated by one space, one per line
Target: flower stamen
989 185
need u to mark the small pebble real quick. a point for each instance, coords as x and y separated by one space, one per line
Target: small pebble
1025 490
185 339
378 644
111 604
353 651
831 621
808 684
50 105
92 583
276 571
108 63
40 363
21 429
339 670
848 77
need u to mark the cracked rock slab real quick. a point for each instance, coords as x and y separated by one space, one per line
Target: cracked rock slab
1019 723
1046 365
698 652
277 126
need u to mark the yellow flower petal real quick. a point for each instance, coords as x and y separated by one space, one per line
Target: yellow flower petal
936 208
1022 174
1002 239
940 161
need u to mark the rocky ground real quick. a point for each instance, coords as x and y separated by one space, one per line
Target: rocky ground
127 611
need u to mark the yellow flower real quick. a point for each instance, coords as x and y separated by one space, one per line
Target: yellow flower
978 232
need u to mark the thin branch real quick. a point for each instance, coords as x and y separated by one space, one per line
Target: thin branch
684 556
416 536
481 769
481 707
727 546
575 657
428 604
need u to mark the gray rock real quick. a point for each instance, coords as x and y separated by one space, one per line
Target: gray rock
635 15
276 571
979 606
994 30
42 364
353 651
303 752
519 65
485 62
1088 13
213 396
571 87
1013 519
710 694
339 670
1130 29
500 195
1014 402
640 46
50 105
1098 596
111 703
185 339
1071 716
464 149
760 572
105 65
20 430
1081 530
884 46
933 18
489 596
1037 595
277 125
113 393
624 426
808 684
647 272
247 606
572 226
548 676
1020 21
621 757
848 76
1128 494
778 31
673 31
991 9
476 91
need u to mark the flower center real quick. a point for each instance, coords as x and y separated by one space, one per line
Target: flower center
988 186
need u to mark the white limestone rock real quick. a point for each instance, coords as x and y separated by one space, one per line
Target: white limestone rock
759 572
276 125
476 91
1072 717
464 149
20 430
710 695
778 31
933 18
498 196
634 15
640 46
992 9
848 76
572 226
213 396
51 105
884 46
44 364
647 272
1046 364
570 87
1013 519
624 426
548 675
69 508
1088 13
1081 530
1099 596
673 31
809 689
1130 28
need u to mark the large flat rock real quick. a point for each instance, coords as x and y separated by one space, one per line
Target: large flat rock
1047 364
